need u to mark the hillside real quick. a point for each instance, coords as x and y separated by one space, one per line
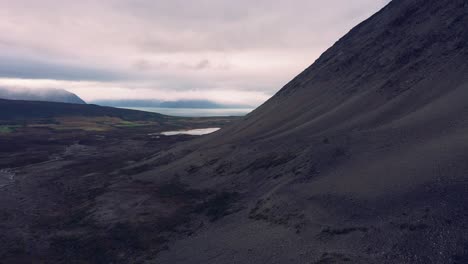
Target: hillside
25 110
360 158
65 116
49 95
168 104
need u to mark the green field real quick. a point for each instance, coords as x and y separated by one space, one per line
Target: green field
7 129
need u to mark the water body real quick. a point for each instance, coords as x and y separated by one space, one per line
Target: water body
193 132
195 112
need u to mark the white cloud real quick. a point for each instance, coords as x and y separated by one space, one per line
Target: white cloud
90 90
215 48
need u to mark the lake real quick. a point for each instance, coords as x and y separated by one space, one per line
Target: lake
193 132
195 112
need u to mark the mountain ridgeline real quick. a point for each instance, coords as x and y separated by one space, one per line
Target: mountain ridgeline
17 110
49 95
195 104
361 158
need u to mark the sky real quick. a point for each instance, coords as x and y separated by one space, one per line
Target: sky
233 52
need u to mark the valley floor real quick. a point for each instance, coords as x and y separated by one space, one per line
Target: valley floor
50 180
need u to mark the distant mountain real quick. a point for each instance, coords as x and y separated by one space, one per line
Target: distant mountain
14 110
168 104
49 95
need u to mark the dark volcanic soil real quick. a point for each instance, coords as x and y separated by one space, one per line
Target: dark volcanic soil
53 182
359 159
50 182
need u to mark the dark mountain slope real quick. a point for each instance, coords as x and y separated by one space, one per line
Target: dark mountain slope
406 56
361 158
48 95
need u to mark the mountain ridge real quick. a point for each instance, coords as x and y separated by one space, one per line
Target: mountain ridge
353 84
47 95
198 104
345 160
16 110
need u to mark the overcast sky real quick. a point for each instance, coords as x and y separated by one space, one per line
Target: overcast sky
240 51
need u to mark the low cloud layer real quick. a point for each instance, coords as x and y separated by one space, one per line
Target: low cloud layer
234 51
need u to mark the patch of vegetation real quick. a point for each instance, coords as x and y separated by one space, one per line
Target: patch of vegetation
5 129
87 123
129 124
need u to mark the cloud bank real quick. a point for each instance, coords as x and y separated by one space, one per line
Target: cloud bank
228 51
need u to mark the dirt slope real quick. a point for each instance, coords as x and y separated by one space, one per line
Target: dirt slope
361 158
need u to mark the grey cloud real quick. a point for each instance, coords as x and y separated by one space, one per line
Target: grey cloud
239 25
204 25
201 65
144 65
172 44
33 69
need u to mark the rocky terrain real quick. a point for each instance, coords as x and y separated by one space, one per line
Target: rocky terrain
360 159
57 159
